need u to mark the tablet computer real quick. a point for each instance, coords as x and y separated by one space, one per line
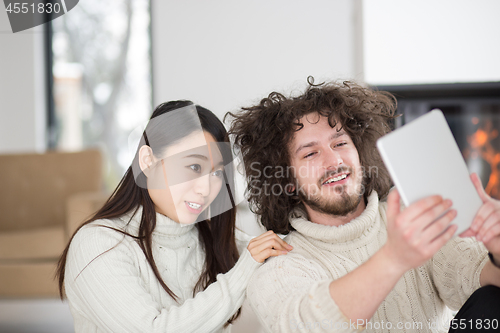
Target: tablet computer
423 159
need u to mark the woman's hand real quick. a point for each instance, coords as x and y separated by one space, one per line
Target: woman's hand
267 245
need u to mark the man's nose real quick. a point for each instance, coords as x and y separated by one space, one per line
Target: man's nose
332 159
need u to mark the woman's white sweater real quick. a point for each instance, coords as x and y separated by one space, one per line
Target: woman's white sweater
111 287
291 293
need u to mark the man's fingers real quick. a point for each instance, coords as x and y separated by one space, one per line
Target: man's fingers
393 205
493 232
488 228
482 214
489 222
421 206
467 233
442 239
479 187
440 225
428 217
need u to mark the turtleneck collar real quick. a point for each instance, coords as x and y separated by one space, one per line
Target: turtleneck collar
361 227
165 226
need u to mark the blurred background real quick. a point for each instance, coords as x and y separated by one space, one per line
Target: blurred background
87 81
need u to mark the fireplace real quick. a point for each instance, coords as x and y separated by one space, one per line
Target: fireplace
472 111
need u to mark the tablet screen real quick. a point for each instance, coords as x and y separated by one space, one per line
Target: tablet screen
424 159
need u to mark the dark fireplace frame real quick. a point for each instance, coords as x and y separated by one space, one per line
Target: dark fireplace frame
459 102
419 97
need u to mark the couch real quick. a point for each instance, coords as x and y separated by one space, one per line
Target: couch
43 198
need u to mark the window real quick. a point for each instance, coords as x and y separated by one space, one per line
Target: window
102 81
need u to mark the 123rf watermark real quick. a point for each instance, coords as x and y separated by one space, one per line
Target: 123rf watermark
26 14
356 325
462 324
475 324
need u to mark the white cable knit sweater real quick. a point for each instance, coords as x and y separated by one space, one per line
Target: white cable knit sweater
291 293
118 292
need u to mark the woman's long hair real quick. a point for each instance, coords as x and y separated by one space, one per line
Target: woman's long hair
217 234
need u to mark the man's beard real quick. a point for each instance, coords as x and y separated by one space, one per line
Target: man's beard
340 205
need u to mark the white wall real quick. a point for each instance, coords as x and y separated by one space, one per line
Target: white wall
226 54
429 41
221 54
22 96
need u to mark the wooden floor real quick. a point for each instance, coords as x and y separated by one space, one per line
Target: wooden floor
35 316
53 316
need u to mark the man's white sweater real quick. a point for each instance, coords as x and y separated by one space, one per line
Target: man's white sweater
111 287
291 293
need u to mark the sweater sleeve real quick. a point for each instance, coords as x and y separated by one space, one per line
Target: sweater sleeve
104 285
242 240
456 268
290 294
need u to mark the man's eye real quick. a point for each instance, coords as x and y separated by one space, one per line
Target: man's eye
195 167
340 144
309 155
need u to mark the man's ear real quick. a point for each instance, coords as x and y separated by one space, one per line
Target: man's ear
146 159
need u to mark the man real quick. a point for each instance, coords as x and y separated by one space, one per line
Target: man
360 261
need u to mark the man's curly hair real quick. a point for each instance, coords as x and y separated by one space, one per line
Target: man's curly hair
263 133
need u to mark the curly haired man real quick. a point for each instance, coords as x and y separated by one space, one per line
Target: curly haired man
360 260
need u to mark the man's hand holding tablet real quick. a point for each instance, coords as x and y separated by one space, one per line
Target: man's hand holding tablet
424 160
416 233
441 198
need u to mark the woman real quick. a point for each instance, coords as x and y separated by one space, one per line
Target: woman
161 255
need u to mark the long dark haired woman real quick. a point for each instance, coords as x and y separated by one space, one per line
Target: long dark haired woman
161 254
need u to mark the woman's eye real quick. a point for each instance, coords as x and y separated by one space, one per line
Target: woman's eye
340 144
217 173
195 167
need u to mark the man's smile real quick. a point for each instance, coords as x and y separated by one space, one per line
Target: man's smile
337 179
